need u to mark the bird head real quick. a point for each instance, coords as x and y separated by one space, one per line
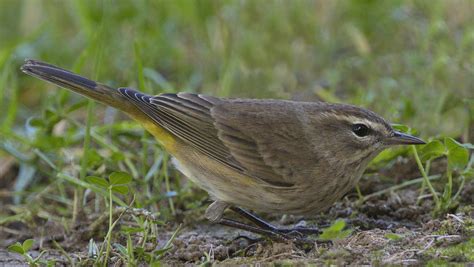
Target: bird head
355 134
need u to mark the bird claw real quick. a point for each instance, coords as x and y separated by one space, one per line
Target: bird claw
294 237
291 234
284 235
248 238
299 231
299 240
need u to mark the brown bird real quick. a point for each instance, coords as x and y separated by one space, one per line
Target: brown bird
271 156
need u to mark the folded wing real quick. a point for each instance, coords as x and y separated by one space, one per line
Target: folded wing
240 134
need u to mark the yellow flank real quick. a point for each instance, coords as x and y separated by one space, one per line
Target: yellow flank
215 169
162 135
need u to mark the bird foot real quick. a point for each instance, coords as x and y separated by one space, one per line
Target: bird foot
297 234
249 239
299 231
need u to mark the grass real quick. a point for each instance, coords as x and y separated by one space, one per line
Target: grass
410 61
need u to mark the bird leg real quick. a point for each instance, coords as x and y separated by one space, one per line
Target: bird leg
216 210
253 229
268 226
276 234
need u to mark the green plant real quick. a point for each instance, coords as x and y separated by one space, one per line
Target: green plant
133 254
117 182
23 248
336 231
459 166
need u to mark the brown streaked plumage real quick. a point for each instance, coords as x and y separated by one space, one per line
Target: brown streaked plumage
272 156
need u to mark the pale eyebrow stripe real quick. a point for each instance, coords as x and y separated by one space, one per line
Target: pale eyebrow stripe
353 119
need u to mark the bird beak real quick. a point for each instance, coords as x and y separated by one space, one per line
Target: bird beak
399 138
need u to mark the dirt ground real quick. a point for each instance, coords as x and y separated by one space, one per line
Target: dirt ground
386 229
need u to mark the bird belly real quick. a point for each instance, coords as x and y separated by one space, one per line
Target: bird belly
227 185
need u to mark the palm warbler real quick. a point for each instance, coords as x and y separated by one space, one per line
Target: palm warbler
271 156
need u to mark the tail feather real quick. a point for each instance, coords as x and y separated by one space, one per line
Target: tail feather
56 75
79 84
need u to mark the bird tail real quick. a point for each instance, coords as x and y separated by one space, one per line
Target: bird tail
79 84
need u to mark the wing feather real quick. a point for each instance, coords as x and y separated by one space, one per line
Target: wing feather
268 138
186 118
211 126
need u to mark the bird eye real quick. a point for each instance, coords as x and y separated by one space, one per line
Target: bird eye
360 130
